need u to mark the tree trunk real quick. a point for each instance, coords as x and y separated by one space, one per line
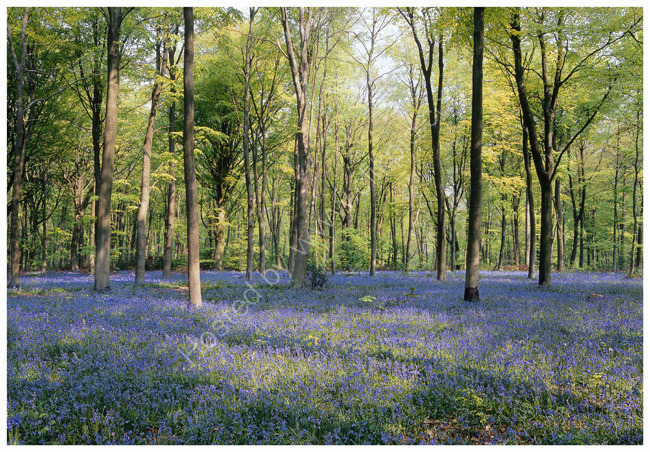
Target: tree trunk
527 226
77 228
560 227
103 249
141 241
546 235
476 174
373 201
96 133
542 167
515 229
19 154
615 228
250 200
393 227
260 195
300 74
502 247
191 203
413 131
371 156
171 207
440 191
334 194
622 227
635 210
220 236
44 220
293 230
171 189
639 241
323 166
454 243
434 121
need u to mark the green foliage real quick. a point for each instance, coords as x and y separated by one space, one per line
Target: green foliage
68 48
355 251
316 277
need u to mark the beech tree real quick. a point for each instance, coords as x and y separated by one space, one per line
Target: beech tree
114 17
476 170
300 71
19 148
171 188
161 66
544 155
426 54
191 202
250 199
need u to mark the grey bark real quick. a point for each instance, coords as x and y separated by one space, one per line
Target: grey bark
476 173
114 19
19 152
191 202
300 74
250 200
141 240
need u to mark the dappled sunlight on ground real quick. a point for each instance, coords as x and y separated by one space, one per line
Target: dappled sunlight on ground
394 359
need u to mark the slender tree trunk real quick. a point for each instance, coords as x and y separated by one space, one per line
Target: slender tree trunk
141 241
171 189
171 198
546 234
25 255
594 255
250 212
402 248
615 228
578 213
622 227
77 228
476 173
371 156
560 227
192 207
334 194
74 243
293 229
515 230
44 220
411 188
220 236
527 226
323 221
103 252
635 210
260 195
300 75
393 227
19 154
440 191
454 244
530 201
639 240
434 121
581 260
502 247
96 133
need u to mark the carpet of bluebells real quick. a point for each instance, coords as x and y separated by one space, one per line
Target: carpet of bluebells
393 359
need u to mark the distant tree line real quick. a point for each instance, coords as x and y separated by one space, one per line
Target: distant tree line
338 138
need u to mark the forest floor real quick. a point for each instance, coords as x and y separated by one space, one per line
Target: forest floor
393 359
